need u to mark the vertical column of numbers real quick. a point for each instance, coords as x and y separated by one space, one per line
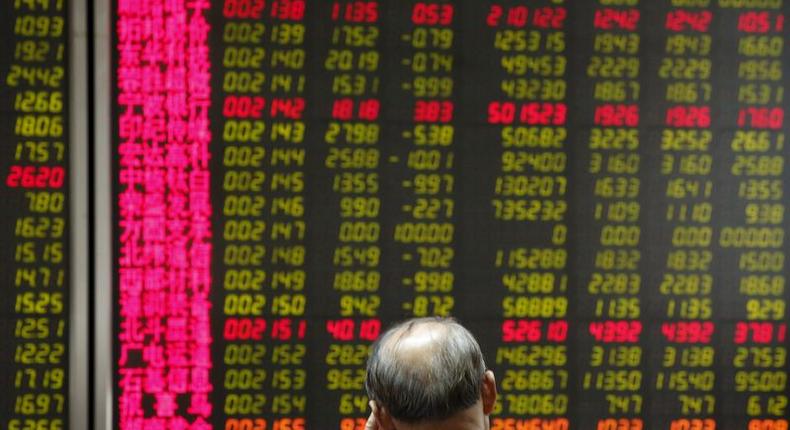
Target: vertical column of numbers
758 236
36 179
262 221
425 232
244 200
613 370
685 378
353 136
529 205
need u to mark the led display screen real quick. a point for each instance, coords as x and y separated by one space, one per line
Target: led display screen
595 188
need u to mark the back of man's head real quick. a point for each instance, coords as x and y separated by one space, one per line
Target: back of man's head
425 369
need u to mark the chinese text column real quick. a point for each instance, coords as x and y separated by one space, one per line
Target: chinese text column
683 356
612 378
754 229
425 231
352 154
163 236
529 208
34 159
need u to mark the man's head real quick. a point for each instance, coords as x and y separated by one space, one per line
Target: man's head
429 373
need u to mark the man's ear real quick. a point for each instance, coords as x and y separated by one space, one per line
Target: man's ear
489 392
383 418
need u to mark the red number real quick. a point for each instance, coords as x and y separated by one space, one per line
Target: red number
549 17
557 331
688 331
244 328
341 329
761 117
501 112
353 424
537 113
617 115
369 329
343 109
521 331
518 16
288 9
688 116
616 331
494 14
243 8
433 111
36 177
282 329
607 19
243 107
683 20
288 108
754 22
432 14
759 332
358 11
768 425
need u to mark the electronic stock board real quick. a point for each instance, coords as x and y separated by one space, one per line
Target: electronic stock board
595 188
34 215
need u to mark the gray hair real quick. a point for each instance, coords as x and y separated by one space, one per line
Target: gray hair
446 379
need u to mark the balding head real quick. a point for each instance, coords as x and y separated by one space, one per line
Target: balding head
425 369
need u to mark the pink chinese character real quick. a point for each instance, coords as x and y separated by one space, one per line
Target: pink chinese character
178 354
179 253
178 179
156 125
130 404
154 180
130 304
131 177
201 281
154 355
166 405
155 278
155 204
177 206
132 255
131 380
131 280
129 56
130 126
131 330
201 333
127 350
177 329
178 423
154 381
176 106
200 406
178 379
176 154
201 255
154 304
202 356
200 229
200 154
154 229
179 281
132 423
130 203
201 383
